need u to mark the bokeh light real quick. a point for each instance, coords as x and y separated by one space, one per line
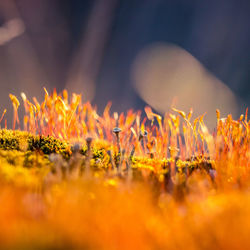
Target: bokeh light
166 76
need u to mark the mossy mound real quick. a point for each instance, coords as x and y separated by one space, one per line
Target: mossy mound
24 141
20 148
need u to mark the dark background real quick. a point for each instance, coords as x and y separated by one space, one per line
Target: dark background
90 46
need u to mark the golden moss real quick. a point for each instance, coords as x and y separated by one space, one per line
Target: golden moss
144 187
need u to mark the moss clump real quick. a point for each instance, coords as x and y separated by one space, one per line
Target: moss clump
24 141
49 145
23 148
12 157
10 140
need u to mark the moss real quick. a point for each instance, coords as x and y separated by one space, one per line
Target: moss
48 145
97 152
13 157
24 141
23 148
162 165
35 159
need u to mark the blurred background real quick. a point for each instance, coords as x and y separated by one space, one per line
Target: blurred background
162 53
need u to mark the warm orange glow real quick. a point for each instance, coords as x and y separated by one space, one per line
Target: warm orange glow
143 193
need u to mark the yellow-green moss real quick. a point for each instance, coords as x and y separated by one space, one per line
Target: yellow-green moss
24 141
27 150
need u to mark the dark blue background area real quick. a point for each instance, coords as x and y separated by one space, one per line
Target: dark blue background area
217 33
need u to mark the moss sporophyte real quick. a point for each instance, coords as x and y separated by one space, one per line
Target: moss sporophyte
73 178
75 120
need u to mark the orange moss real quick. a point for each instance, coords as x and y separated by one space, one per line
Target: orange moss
169 184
